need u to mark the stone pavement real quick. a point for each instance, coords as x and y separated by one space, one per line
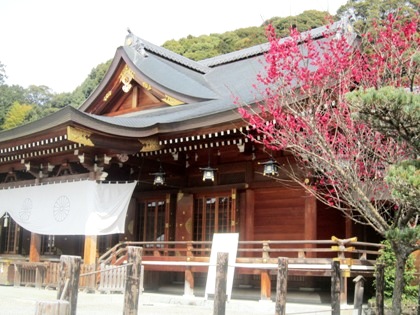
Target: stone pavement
22 301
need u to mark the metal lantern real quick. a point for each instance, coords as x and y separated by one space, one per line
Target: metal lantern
208 173
159 177
270 168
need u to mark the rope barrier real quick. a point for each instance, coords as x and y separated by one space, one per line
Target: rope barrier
104 270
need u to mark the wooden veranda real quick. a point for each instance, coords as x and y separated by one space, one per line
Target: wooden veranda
257 258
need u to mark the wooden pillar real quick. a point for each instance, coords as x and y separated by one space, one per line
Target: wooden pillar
35 248
234 194
189 282
310 221
349 228
265 286
89 256
249 215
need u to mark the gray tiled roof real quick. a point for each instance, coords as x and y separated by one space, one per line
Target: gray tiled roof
210 84
227 76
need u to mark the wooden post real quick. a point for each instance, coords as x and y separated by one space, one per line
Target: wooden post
35 248
281 287
68 284
132 283
52 308
380 286
335 288
39 276
220 297
17 278
359 289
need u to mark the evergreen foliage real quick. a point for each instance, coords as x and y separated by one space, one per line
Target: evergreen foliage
388 259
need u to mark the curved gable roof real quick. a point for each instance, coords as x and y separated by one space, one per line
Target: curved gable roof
208 87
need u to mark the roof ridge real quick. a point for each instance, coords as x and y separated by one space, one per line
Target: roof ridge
263 48
142 46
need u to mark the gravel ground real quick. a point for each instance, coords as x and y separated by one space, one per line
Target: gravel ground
22 301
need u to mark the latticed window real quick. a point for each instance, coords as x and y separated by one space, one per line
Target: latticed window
152 220
212 215
10 237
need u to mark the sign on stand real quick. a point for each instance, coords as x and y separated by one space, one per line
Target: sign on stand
222 243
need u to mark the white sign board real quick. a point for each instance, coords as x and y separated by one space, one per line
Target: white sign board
222 243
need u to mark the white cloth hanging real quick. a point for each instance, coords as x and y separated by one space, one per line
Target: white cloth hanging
69 208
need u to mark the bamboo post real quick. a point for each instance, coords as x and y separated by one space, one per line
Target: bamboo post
281 287
68 284
380 285
132 282
219 307
335 288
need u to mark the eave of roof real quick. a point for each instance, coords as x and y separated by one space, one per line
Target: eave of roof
66 117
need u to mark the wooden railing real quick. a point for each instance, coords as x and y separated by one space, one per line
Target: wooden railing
348 251
306 258
47 274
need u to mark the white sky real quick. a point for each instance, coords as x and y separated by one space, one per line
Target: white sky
58 42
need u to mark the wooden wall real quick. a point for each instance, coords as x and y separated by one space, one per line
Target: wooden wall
331 222
279 214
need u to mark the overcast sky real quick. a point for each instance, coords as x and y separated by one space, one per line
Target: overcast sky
58 42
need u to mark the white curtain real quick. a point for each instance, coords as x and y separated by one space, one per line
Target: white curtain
70 208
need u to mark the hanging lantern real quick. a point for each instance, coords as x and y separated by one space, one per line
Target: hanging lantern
208 173
270 168
159 177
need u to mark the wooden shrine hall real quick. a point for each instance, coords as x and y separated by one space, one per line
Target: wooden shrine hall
169 125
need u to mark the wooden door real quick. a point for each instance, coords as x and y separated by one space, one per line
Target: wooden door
184 217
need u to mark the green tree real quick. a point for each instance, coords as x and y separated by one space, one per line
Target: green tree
61 100
9 95
305 21
3 76
82 92
16 115
207 46
395 112
365 11
38 95
389 261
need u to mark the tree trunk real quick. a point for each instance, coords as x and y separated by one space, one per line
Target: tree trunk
401 260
